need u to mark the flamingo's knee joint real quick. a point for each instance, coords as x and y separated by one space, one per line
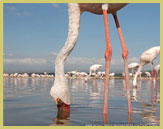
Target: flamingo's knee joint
125 54
108 54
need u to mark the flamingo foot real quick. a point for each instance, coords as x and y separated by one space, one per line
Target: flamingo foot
62 106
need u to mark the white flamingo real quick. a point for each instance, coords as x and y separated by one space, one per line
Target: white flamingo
94 68
147 57
148 74
6 75
133 66
59 90
111 74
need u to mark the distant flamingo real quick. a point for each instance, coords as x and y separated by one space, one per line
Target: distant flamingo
133 66
6 75
111 74
148 74
94 68
147 57
59 90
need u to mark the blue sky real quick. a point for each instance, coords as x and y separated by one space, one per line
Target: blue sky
34 34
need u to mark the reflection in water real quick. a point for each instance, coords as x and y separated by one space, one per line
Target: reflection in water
154 95
129 117
156 92
150 117
105 119
149 114
151 91
123 88
124 93
149 110
134 97
30 97
19 87
63 118
111 83
94 89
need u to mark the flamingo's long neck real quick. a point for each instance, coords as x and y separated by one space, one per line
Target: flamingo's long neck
137 73
73 32
60 88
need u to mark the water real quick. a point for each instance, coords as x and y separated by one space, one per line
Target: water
27 102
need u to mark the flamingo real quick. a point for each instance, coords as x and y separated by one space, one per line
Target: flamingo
6 75
133 66
14 75
148 74
33 75
73 73
147 57
25 75
60 91
111 74
94 68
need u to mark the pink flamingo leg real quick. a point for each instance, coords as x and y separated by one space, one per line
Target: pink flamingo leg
151 91
108 55
156 88
156 74
152 74
125 57
105 119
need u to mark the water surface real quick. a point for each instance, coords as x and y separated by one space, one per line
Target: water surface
27 102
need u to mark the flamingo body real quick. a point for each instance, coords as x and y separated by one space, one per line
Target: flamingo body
147 57
94 68
133 65
111 74
96 8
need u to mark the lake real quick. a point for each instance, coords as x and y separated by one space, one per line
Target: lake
27 102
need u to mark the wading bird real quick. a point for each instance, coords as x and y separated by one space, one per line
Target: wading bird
94 68
133 66
148 74
59 90
147 57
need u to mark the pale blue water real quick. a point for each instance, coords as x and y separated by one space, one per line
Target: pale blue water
27 102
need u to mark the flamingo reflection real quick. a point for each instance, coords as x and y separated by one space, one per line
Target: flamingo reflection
156 91
62 118
148 114
151 91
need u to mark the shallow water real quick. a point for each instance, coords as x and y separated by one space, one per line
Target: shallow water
27 102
